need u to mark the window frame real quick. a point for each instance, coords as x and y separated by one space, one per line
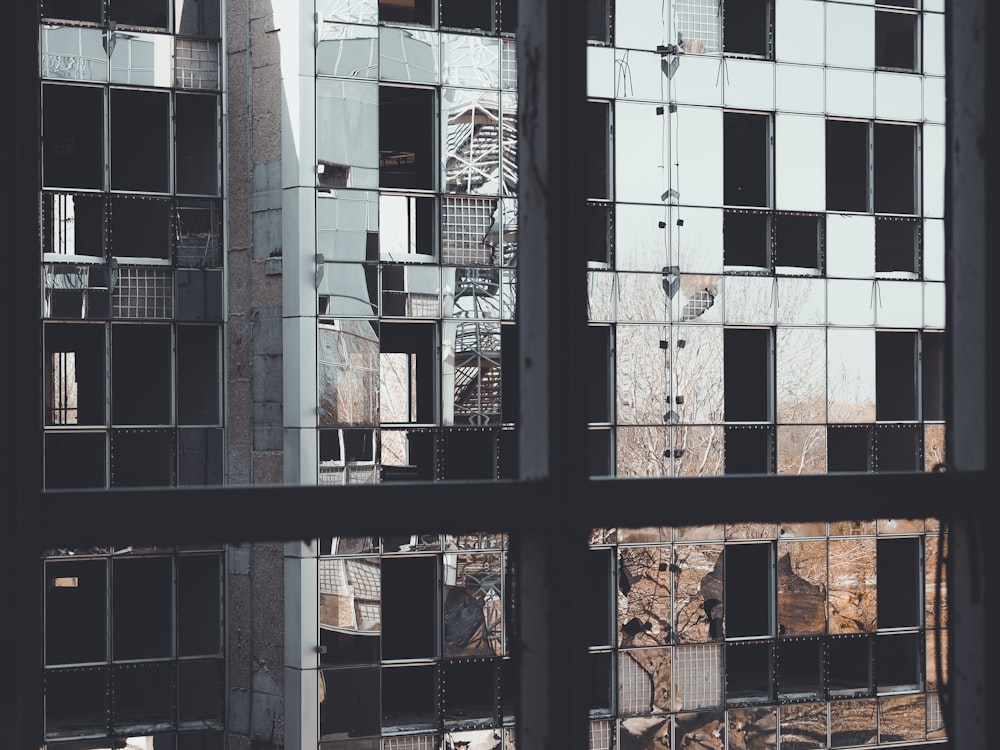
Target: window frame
39 520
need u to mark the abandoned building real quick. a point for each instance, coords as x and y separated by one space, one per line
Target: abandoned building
279 246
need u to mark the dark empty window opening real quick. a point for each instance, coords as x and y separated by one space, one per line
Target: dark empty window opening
407 356
334 175
900 577
469 691
896 40
406 226
142 695
409 697
849 666
748 374
598 368
467 14
749 450
598 673
149 13
409 607
197 134
197 374
140 140
895 375
75 460
73 224
199 605
746 159
76 701
898 660
599 21
73 10
846 165
405 11
347 446
898 447
72 136
198 234
747 27
599 452
142 458
199 693
599 240
348 648
75 612
897 245
507 10
198 18
746 240
350 706
143 584
895 168
799 669
468 454
74 374
932 366
406 137
849 448
798 241
597 137
596 615
749 581
748 672
141 374
140 227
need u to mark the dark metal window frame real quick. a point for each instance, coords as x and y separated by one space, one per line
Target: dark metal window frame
550 508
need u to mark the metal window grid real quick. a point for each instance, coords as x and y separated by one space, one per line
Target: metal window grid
697 673
143 293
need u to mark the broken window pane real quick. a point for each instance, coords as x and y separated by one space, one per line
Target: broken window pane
405 11
746 240
77 292
75 611
894 154
798 242
467 14
900 576
76 701
72 225
903 718
748 672
347 457
470 142
142 584
749 581
469 692
72 136
470 61
748 374
406 372
409 55
799 669
747 27
699 25
348 52
897 448
140 140
409 607
199 693
749 450
897 661
75 460
852 585
196 130
348 373
349 703
895 40
598 21
897 245
471 293
349 107
197 375
473 605
141 374
406 137
895 375
705 729
406 227
140 227
849 667
802 587
746 159
199 599
141 59
74 374
198 234
350 616
153 13
698 586
644 681
600 232
142 458
143 696
197 17
847 165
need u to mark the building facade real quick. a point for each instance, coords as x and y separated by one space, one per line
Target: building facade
319 278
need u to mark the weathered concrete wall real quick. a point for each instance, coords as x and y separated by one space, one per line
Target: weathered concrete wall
255 619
